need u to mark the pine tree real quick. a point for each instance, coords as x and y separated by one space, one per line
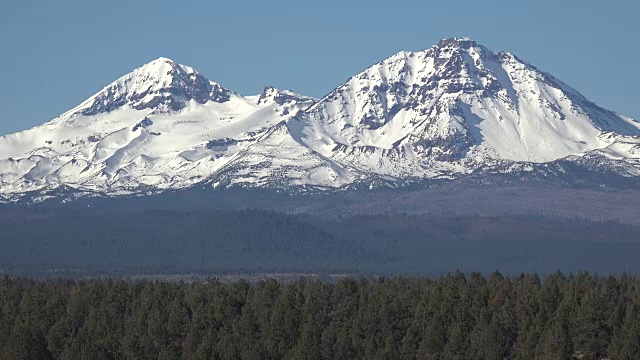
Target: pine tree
555 343
626 342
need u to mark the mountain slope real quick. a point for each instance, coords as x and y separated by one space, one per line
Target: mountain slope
459 106
452 110
162 126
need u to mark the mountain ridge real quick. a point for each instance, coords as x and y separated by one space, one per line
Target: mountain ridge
446 112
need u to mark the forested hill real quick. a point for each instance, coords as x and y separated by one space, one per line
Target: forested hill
56 242
452 317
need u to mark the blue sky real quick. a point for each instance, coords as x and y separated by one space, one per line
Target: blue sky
55 54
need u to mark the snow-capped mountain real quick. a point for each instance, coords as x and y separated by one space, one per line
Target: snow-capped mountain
162 126
456 107
451 110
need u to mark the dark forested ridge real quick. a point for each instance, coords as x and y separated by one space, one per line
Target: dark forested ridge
470 195
63 242
455 316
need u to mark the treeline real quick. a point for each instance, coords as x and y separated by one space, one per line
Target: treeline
37 241
456 316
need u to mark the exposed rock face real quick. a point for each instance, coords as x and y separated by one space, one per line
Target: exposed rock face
161 84
281 97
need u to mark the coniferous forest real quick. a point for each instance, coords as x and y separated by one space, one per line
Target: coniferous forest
41 242
456 316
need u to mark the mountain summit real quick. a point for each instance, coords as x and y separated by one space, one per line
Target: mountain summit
452 110
459 99
161 84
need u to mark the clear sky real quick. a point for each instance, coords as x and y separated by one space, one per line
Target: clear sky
55 54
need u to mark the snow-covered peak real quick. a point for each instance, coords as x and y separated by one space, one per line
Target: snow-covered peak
272 95
454 42
163 71
459 101
160 68
161 85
